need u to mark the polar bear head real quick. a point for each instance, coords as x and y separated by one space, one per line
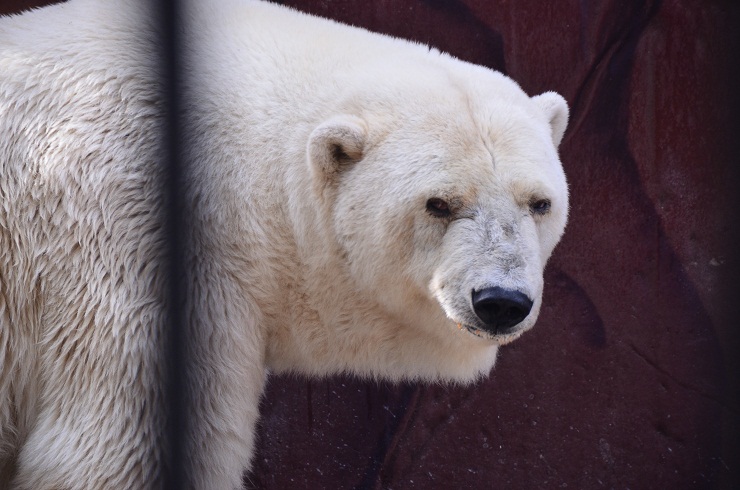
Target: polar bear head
446 200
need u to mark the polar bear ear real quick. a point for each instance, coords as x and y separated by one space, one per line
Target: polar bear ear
556 110
336 142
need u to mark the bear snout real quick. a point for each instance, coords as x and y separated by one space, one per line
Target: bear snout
500 309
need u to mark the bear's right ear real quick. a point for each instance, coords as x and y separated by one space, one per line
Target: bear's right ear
336 142
556 110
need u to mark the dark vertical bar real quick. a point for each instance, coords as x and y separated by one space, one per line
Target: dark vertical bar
169 12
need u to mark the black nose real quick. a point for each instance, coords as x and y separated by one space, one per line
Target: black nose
500 309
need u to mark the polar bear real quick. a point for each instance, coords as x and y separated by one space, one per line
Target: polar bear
354 203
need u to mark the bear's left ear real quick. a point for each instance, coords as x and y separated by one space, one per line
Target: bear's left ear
335 143
556 111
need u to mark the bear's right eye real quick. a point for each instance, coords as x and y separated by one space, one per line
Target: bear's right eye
540 206
438 207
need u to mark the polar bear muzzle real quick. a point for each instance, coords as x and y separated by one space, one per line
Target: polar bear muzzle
501 309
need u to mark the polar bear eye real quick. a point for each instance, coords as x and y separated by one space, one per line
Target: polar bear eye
540 206
438 207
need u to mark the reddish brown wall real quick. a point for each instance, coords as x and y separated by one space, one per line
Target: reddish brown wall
630 379
16 6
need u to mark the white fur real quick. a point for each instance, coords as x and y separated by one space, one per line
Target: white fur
312 149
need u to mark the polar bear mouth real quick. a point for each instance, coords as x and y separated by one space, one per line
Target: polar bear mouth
499 338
